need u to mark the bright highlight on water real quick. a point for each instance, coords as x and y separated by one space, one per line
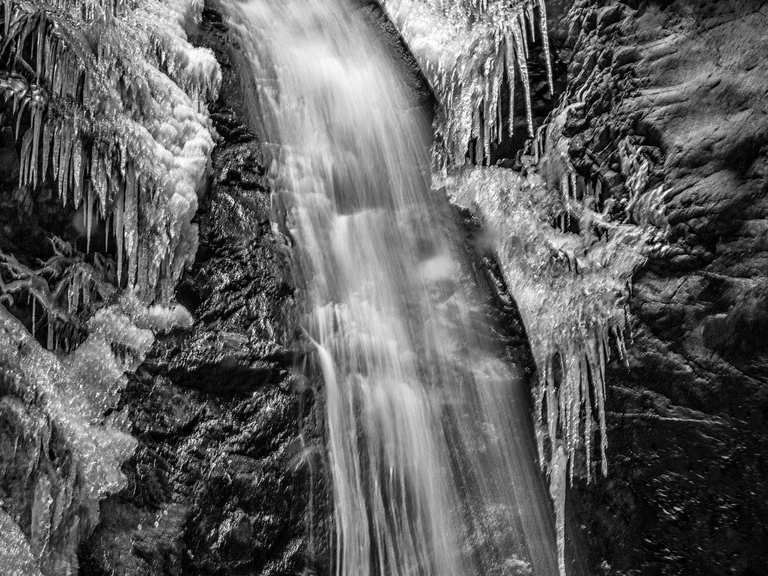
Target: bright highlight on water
432 459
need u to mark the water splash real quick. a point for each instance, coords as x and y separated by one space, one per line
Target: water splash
431 453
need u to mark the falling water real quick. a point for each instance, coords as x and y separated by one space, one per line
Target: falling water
431 456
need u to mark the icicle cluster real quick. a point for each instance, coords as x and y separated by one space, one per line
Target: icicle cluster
466 50
569 267
107 100
570 289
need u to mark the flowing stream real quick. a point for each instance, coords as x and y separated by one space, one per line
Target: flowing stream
432 459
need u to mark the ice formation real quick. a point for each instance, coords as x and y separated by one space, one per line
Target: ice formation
569 268
567 261
467 49
569 289
74 391
108 102
110 96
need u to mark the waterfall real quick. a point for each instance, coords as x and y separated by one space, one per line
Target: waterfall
432 458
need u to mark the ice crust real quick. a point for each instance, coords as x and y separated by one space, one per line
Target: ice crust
110 111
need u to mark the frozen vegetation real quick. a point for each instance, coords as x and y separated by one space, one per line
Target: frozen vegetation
108 103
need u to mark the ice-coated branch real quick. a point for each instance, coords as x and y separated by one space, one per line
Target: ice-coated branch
64 291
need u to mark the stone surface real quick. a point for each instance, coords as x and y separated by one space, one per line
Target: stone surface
687 81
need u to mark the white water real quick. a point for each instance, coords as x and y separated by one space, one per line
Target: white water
432 460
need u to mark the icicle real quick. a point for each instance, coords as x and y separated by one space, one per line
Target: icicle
499 123
47 137
557 490
545 41
510 58
130 224
531 20
88 216
37 119
585 382
40 43
521 26
49 341
599 387
26 144
56 154
65 163
486 136
102 183
497 78
522 66
77 169
118 223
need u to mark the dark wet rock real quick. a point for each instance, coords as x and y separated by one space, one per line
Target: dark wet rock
685 80
225 478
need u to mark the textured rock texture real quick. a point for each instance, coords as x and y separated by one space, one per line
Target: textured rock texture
227 474
228 477
687 81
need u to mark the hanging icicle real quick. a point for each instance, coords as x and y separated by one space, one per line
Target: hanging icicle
466 50
113 83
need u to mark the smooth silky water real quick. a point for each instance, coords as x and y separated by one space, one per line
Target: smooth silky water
432 458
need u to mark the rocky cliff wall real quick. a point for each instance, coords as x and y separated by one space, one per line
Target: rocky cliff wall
687 81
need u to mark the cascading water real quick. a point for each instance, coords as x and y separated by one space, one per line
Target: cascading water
431 454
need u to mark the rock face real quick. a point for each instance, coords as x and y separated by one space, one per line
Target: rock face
227 477
687 82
